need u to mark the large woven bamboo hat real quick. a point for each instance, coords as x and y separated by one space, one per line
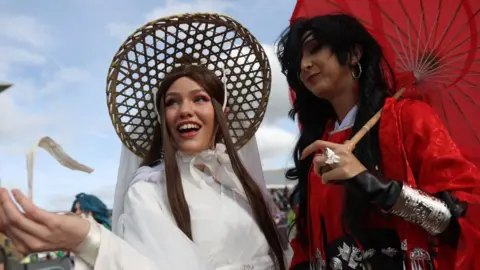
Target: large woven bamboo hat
215 41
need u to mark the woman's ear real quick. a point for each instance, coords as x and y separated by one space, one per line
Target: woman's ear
356 55
226 111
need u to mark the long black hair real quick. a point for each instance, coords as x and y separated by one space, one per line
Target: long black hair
344 35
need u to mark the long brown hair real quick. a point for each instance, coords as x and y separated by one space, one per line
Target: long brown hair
161 148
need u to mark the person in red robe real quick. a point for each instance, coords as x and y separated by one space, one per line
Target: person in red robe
403 197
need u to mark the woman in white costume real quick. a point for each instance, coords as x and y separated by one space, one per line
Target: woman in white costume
192 204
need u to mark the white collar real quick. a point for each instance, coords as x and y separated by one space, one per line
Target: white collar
348 121
219 164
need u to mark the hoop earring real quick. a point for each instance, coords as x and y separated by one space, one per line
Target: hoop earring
356 76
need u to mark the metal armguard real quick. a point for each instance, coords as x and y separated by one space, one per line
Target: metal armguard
419 208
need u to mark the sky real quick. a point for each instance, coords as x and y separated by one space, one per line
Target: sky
57 53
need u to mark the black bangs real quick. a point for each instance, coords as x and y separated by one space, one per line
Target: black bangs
289 51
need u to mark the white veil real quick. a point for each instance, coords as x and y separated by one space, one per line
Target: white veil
129 163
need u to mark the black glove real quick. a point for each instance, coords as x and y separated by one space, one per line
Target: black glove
377 191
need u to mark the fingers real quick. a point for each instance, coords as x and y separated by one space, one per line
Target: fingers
31 210
349 145
318 163
333 176
318 145
13 218
24 242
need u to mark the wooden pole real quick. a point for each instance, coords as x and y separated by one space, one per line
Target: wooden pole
359 135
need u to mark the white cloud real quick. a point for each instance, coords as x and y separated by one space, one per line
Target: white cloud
11 56
15 120
15 55
274 141
25 29
279 103
173 7
122 30
63 78
24 122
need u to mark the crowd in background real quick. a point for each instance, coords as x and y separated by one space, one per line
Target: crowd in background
284 215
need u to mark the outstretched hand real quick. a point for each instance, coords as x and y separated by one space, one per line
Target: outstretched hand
36 230
347 167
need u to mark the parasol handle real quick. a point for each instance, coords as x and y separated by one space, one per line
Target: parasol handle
359 135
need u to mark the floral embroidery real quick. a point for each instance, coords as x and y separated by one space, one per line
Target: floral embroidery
390 252
336 264
367 254
320 265
352 255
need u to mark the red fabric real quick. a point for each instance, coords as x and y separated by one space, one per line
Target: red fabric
427 159
432 162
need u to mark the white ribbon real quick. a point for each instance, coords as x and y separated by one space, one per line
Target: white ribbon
218 163
57 152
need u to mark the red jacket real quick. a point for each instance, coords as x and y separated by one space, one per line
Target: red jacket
417 149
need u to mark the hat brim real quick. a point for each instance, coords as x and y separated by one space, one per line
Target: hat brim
217 41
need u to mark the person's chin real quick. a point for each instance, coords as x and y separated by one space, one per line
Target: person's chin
191 146
322 92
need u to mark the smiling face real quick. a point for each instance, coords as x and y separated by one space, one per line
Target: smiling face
320 72
189 116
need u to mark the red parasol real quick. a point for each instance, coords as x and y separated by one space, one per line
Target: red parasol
437 42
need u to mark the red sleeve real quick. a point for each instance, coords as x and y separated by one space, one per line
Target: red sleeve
300 253
438 165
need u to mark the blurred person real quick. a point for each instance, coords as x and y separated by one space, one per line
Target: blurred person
90 206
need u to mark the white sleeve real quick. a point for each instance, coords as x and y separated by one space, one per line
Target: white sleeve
151 241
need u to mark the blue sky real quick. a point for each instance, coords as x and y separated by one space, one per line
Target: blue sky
57 54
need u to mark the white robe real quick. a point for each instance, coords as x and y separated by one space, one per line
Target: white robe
225 236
